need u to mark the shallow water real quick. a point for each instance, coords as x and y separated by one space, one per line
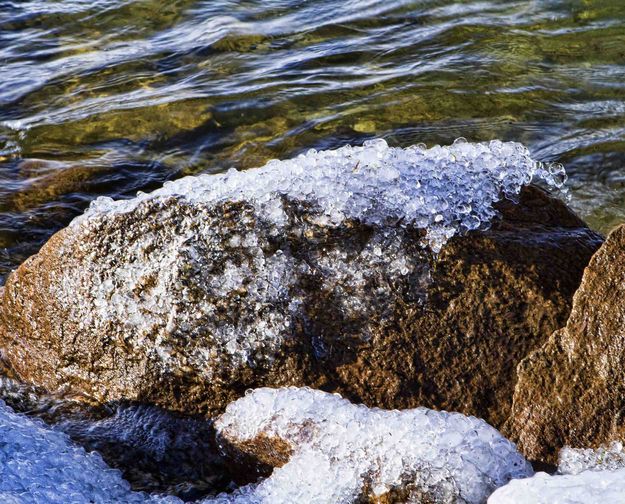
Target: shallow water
112 96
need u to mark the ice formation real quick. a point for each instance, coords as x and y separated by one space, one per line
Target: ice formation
584 476
41 466
588 487
180 292
577 460
342 451
444 190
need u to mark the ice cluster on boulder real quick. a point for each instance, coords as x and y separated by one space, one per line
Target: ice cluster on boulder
41 466
444 190
577 460
584 476
211 276
588 487
342 451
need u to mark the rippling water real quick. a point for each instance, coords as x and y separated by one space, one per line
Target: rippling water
113 96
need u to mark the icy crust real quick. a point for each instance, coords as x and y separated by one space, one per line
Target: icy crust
577 460
342 452
444 190
214 272
585 475
600 487
41 466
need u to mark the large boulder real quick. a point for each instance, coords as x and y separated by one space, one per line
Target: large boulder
318 447
571 391
397 277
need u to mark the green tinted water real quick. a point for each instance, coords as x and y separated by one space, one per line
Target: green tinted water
107 97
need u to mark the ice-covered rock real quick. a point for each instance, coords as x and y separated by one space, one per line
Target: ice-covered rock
577 460
313 271
155 450
41 466
328 450
588 487
443 190
570 390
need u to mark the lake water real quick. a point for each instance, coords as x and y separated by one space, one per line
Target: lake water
107 97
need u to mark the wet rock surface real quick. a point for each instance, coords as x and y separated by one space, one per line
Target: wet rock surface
570 391
187 297
324 449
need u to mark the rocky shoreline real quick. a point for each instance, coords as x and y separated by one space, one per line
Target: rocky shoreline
401 279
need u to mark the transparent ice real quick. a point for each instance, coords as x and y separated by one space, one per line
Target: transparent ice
445 190
585 475
340 449
576 460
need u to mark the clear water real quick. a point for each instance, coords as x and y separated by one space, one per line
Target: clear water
106 97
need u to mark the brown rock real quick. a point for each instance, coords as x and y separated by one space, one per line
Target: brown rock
492 298
187 304
571 390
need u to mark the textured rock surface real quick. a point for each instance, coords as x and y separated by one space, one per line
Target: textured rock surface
327 450
316 271
571 391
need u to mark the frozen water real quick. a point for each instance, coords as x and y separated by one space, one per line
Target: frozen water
585 475
217 273
156 450
342 450
576 460
41 466
444 190
588 487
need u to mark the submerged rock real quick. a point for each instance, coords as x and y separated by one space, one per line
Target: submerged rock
324 449
571 390
316 271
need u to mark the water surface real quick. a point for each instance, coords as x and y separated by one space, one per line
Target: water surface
107 97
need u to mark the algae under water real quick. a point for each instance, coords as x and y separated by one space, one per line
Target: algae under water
108 97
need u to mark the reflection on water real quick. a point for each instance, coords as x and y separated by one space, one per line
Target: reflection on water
112 96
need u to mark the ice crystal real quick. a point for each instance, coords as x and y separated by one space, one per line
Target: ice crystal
576 460
41 466
445 190
341 449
